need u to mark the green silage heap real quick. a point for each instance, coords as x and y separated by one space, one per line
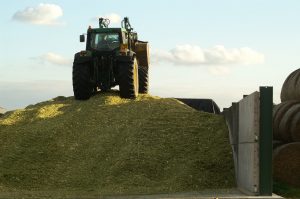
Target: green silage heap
111 145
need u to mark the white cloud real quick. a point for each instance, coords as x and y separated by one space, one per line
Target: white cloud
56 59
42 14
158 56
218 55
113 18
187 54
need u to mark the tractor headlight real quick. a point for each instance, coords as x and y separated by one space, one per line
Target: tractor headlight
123 48
83 53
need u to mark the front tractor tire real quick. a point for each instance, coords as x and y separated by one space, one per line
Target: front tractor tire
129 80
82 86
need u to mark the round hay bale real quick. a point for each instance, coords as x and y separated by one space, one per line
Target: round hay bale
277 143
286 121
295 128
291 87
286 164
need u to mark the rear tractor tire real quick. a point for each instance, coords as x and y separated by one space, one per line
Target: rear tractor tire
143 79
82 86
129 80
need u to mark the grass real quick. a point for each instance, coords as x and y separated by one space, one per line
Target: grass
285 190
108 145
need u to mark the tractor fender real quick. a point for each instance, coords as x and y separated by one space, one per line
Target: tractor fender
83 57
126 58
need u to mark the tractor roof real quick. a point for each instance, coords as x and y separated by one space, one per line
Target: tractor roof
107 30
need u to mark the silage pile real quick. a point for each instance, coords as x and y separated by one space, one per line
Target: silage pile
114 146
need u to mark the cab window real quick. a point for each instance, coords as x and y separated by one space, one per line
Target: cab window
105 41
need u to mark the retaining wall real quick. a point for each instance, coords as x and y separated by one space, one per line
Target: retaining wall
250 130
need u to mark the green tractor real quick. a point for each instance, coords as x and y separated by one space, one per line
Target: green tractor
113 56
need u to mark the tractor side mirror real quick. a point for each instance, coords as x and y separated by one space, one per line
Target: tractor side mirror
135 37
82 38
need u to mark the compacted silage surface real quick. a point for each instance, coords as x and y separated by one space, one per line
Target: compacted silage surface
109 145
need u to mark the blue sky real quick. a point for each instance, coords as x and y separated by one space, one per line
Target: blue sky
201 49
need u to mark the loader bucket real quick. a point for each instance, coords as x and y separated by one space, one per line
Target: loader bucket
142 53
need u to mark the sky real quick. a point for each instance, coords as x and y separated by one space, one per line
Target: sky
213 49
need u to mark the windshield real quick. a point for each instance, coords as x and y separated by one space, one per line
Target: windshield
105 41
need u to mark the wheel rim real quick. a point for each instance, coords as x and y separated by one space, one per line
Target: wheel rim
135 77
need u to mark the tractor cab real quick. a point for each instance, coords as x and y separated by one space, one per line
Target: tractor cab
109 39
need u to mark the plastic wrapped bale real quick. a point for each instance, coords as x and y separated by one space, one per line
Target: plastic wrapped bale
291 87
286 164
286 121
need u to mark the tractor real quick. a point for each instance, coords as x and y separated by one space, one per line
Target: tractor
113 57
